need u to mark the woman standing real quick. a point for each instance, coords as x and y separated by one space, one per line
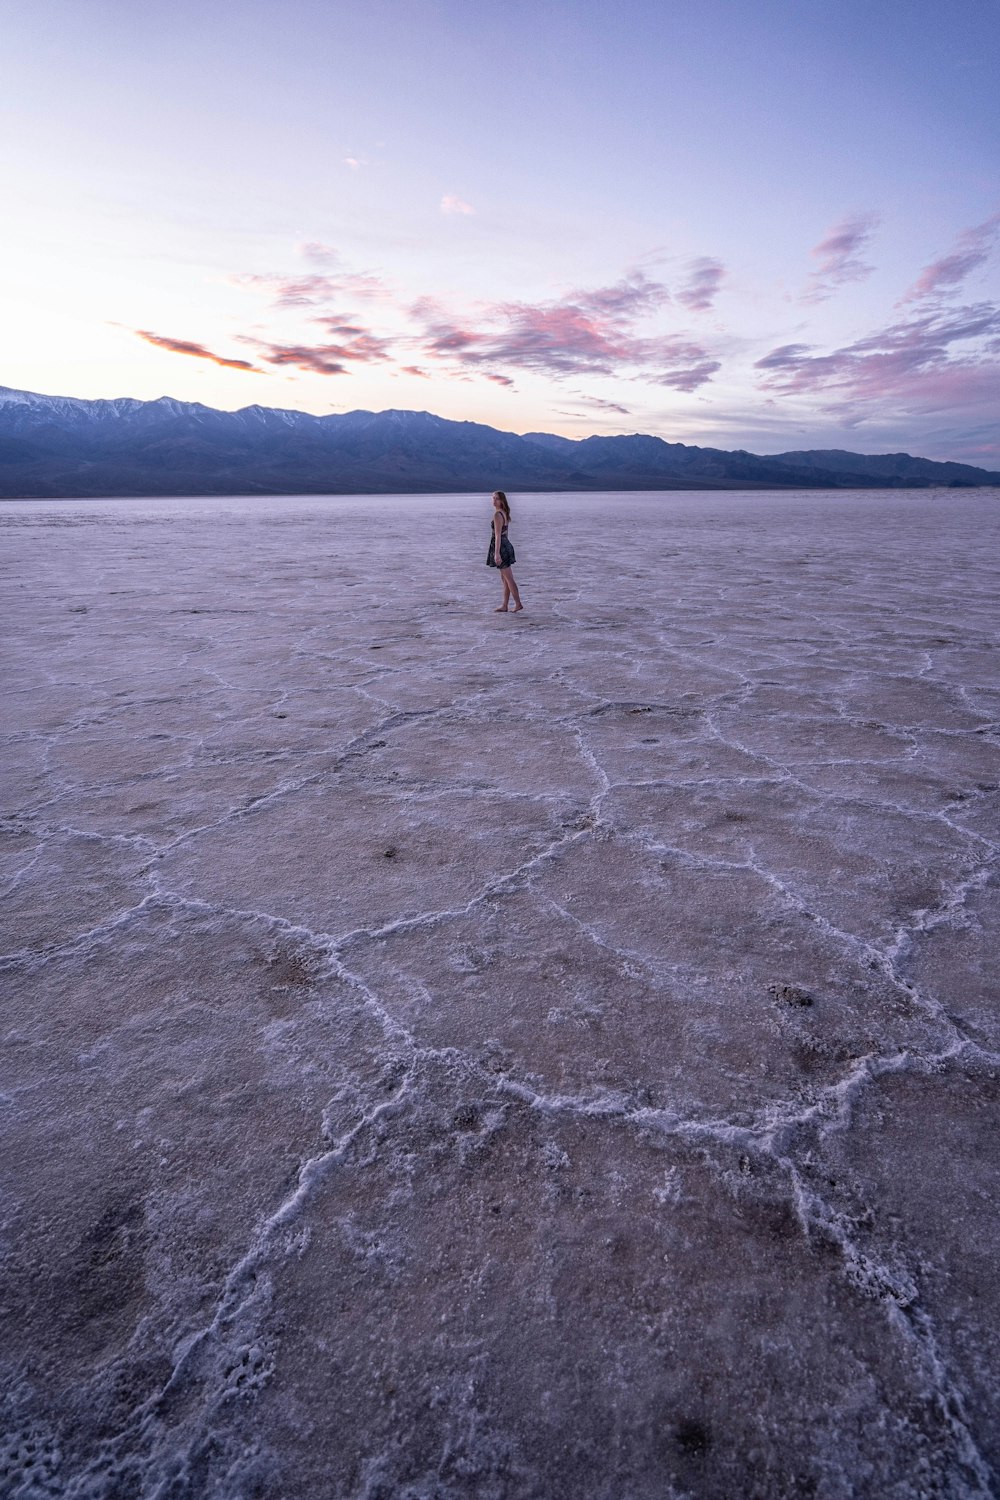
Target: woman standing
501 553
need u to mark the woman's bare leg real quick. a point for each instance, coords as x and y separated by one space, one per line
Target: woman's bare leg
511 588
501 609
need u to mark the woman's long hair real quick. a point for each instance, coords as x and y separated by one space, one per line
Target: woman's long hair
499 495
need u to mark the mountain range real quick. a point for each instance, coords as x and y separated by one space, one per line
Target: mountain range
60 446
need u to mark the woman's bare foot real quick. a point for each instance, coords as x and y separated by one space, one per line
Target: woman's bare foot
517 609
501 609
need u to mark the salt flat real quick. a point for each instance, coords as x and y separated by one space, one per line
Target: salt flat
455 1055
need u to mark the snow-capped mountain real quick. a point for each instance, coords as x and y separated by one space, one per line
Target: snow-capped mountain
64 446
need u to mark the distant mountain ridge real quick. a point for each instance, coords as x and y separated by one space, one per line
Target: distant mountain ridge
62 446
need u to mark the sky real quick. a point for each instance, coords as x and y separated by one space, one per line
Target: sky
768 226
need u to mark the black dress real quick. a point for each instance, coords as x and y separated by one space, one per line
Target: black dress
507 554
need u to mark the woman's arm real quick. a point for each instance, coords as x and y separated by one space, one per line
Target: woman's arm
497 532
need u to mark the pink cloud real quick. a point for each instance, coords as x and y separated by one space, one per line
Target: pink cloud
354 345
319 253
452 204
627 299
359 343
558 340
196 351
316 360
317 287
592 331
365 285
305 291
705 277
838 257
972 248
909 362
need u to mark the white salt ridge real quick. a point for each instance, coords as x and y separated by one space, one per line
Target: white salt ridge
405 1102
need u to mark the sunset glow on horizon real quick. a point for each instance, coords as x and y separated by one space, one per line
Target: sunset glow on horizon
770 227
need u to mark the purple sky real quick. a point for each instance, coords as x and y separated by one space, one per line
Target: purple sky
771 226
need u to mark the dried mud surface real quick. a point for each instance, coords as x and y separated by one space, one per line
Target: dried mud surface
448 1055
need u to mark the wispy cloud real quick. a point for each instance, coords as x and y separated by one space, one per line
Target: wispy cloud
838 257
353 344
359 342
589 331
910 362
452 204
972 249
315 359
598 403
554 339
316 288
689 378
318 253
196 351
297 291
626 300
705 277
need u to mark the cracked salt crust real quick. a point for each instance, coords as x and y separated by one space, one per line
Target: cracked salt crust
402 1094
